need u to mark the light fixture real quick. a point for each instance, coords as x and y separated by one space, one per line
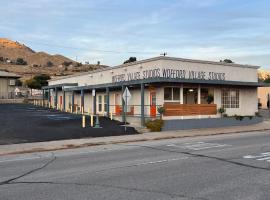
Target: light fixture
191 90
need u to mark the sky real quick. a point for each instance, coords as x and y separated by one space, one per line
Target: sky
111 31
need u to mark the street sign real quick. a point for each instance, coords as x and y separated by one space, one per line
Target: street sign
126 95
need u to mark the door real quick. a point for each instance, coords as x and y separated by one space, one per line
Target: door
153 104
61 101
117 105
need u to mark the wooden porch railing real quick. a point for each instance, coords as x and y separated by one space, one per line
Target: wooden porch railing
173 109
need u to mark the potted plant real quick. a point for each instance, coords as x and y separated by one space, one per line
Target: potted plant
210 98
221 111
161 111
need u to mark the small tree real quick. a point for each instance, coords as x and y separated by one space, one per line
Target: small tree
38 81
131 59
21 61
49 64
227 61
66 63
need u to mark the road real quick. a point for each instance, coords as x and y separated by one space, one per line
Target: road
213 167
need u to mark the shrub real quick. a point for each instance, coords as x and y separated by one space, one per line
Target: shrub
225 115
161 111
257 114
21 61
66 63
210 98
154 125
49 64
239 117
221 111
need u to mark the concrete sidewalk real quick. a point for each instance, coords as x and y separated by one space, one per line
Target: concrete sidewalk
77 143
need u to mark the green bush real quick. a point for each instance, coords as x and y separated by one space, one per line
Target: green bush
257 114
239 117
210 98
161 111
154 125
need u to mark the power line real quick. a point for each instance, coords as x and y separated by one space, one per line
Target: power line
95 50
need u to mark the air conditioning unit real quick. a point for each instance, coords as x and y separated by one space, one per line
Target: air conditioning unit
12 82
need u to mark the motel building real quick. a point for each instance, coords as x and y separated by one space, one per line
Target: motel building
182 86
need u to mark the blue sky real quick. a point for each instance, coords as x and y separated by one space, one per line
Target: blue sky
198 29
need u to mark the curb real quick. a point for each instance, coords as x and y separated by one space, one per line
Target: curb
88 144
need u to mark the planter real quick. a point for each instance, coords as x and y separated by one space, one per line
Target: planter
178 124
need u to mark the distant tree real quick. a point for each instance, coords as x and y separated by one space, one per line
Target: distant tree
49 64
66 63
18 82
227 61
21 61
33 84
98 62
131 59
267 79
38 81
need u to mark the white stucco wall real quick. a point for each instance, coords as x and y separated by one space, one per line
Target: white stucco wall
231 72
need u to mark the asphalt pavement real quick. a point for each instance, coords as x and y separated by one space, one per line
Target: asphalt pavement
24 123
235 166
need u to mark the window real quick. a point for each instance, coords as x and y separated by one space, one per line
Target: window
171 94
100 103
190 95
230 98
204 95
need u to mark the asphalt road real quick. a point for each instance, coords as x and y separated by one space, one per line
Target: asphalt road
213 167
21 123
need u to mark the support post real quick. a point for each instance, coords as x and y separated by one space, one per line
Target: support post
82 101
108 101
64 101
199 95
142 105
94 104
72 102
123 104
49 98
55 98
182 94
43 97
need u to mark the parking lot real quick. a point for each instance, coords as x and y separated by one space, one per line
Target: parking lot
21 123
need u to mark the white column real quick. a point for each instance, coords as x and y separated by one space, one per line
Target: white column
181 94
199 94
199 97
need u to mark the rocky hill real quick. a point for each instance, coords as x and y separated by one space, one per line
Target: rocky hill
18 58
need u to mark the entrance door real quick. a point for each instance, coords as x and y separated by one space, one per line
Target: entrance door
153 104
61 101
117 105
